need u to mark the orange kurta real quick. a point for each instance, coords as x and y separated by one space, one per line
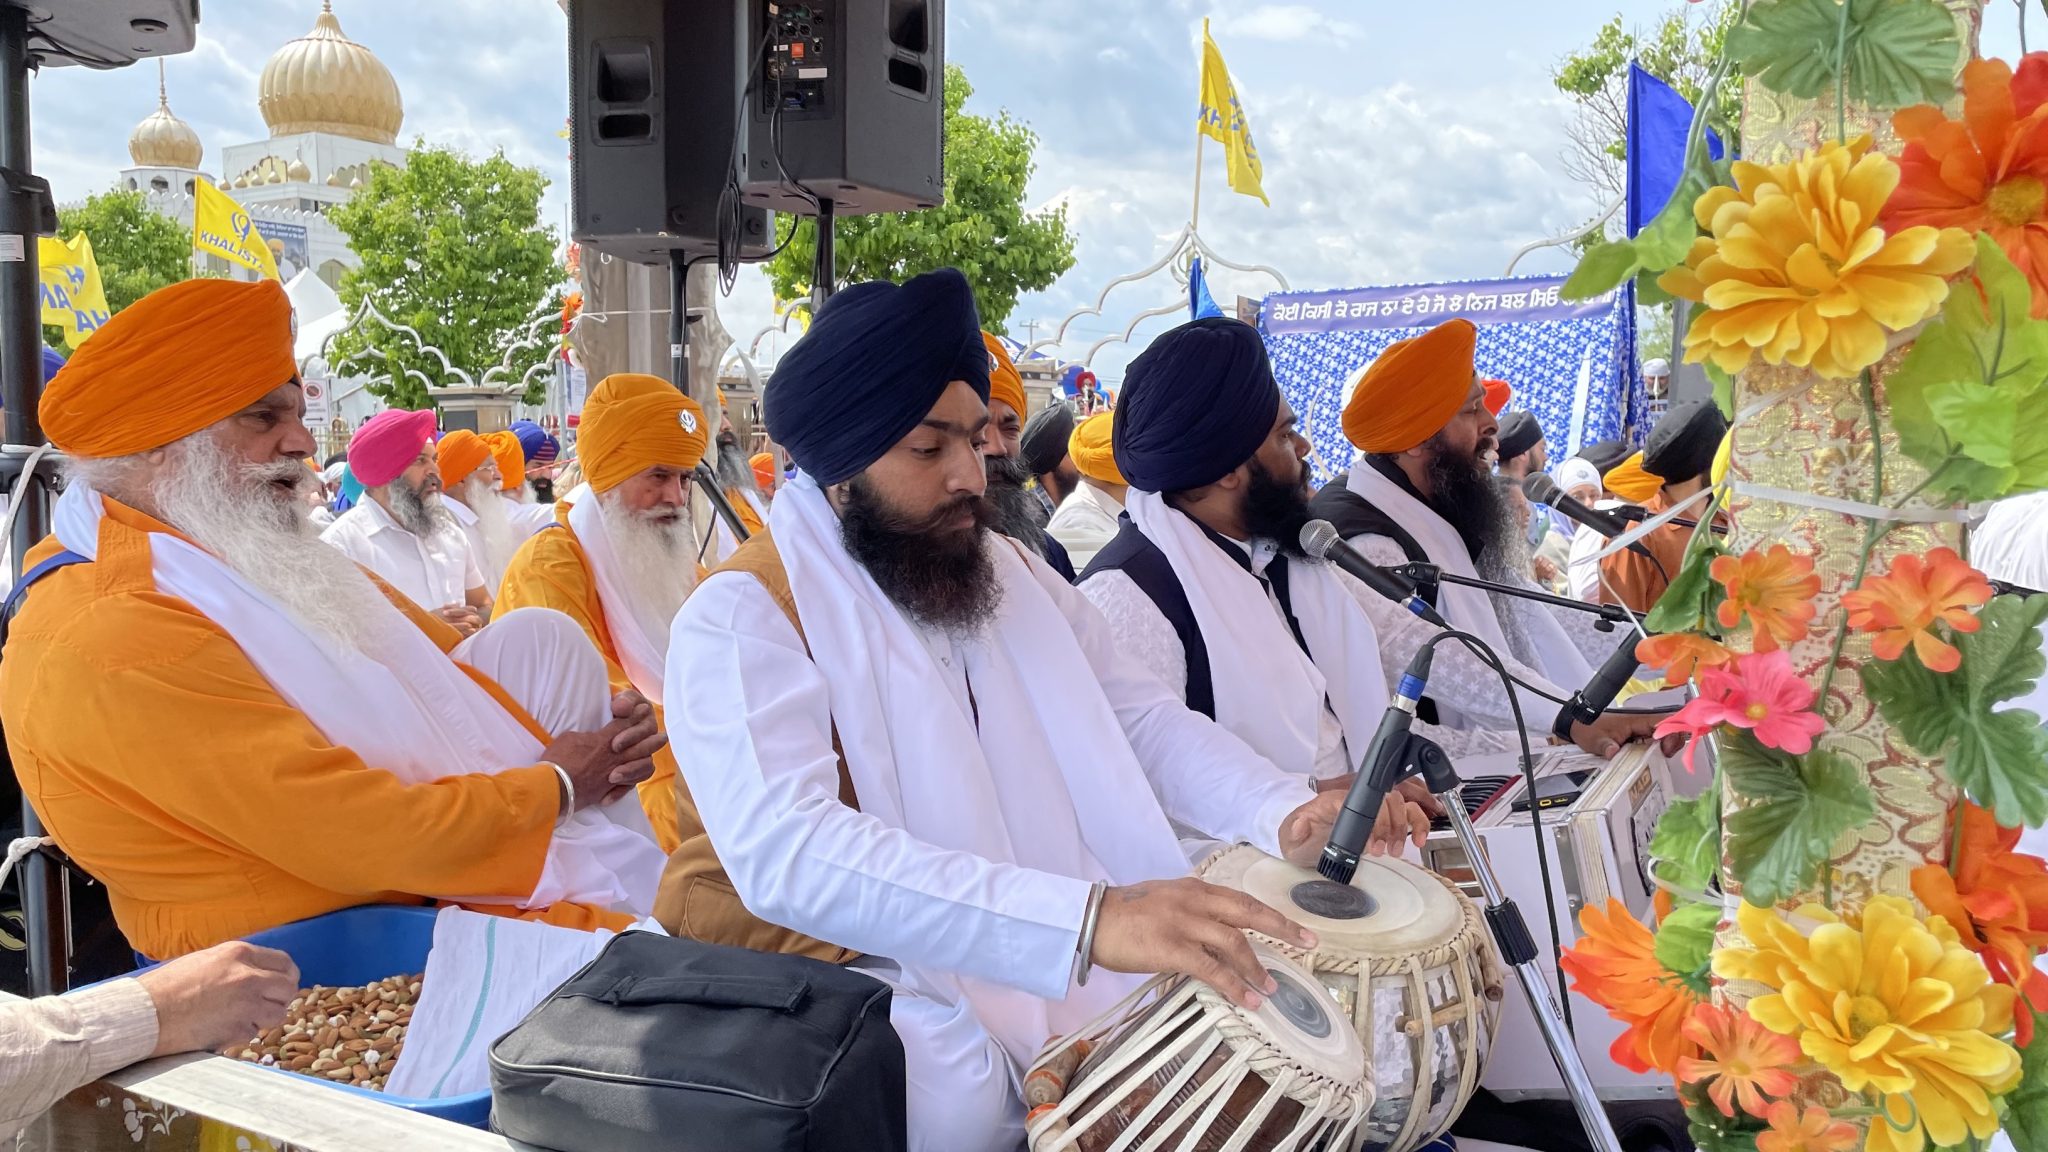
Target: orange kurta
1636 581
169 768
551 571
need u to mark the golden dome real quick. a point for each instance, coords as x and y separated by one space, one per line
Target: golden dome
297 170
162 140
325 82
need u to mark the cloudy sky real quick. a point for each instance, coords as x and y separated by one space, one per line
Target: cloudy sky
1402 142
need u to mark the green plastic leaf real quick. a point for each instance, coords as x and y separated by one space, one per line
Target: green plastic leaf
1977 417
1648 293
1798 806
1689 602
1894 52
2026 1107
1724 390
1687 843
1713 1132
1601 269
1998 758
1665 241
1685 942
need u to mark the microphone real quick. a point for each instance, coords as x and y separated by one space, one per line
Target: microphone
1541 489
1378 772
1590 702
1320 540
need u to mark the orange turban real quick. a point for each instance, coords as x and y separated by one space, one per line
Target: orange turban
763 464
1003 381
633 422
1090 448
460 453
1497 393
1628 480
1413 389
511 458
174 362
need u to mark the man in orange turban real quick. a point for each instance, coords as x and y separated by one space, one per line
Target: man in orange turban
527 515
1017 511
251 730
625 553
401 530
1086 521
470 490
736 476
1423 491
763 464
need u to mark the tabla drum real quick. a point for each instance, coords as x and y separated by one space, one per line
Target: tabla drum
1177 1068
1408 958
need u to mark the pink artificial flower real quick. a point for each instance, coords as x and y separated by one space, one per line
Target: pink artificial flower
1759 692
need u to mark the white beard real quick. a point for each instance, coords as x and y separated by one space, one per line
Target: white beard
657 562
418 511
236 513
493 521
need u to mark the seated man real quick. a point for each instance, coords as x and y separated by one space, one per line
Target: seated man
1045 455
469 490
514 449
400 530
1087 519
626 556
1018 513
1679 454
233 726
736 477
911 738
1207 584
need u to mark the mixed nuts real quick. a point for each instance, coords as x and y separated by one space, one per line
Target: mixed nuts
347 1035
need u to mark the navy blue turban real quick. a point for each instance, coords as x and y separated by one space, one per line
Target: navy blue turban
1682 445
1195 406
1045 438
1519 432
1605 455
877 358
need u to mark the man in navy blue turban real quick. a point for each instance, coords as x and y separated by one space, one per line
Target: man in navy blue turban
916 745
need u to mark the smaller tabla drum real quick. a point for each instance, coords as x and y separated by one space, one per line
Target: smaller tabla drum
1177 1068
1408 958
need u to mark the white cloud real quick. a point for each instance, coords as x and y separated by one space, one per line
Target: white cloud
1284 23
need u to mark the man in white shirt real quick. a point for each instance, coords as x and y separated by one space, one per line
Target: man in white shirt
1087 519
909 738
400 530
470 481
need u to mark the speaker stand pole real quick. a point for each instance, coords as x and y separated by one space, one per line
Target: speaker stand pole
825 270
678 321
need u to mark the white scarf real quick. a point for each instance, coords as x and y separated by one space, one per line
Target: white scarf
1268 691
919 764
1470 609
430 722
728 543
642 645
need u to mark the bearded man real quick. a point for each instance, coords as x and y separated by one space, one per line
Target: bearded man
623 556
470 481
735 471
1043 449
1018 511
401 530
528 513
1423 490
1087 519
911 739
233 726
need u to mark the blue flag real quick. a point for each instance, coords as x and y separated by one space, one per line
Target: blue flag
1200 303
1658 120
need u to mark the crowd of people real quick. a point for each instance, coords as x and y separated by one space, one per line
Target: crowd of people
963 708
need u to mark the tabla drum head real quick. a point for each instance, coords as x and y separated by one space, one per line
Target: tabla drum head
1301 1020
1392 906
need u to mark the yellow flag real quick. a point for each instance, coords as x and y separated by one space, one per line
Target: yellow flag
1222 119
223 227
73 297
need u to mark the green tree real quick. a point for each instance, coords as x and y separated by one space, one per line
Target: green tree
981 228
137 250
1680 49
454 249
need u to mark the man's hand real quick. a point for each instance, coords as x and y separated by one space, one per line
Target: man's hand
227 993
1307 828
460 617
1545 569
606 764
1190 926
1605 736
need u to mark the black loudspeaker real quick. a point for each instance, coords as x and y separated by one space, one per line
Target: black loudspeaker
654 89
848 102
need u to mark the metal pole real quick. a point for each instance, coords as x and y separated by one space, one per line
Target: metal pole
825 268
1195 213
678 321
45 902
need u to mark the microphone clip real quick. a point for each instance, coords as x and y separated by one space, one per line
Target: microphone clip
1412 754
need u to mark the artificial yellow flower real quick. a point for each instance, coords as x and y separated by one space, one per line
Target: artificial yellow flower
1895 1007
1798 271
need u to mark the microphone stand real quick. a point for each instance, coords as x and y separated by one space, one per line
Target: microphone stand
1431 574
715 493
1419 755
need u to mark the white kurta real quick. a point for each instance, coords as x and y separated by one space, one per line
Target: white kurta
433 572
528 519
759 724
1085 523
465 519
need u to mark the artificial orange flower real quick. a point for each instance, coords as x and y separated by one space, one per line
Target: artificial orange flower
1812 1130
1987 172
1997 899
1902 606
1774 588
1797 271
1744 1061
1614 964
1680 655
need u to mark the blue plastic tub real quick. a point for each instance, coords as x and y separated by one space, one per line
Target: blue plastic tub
357 946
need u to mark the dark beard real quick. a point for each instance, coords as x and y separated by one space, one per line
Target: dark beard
1462 491
941 577
734 470
1015 511
1275 510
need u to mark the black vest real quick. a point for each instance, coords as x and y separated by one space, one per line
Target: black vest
1353 515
